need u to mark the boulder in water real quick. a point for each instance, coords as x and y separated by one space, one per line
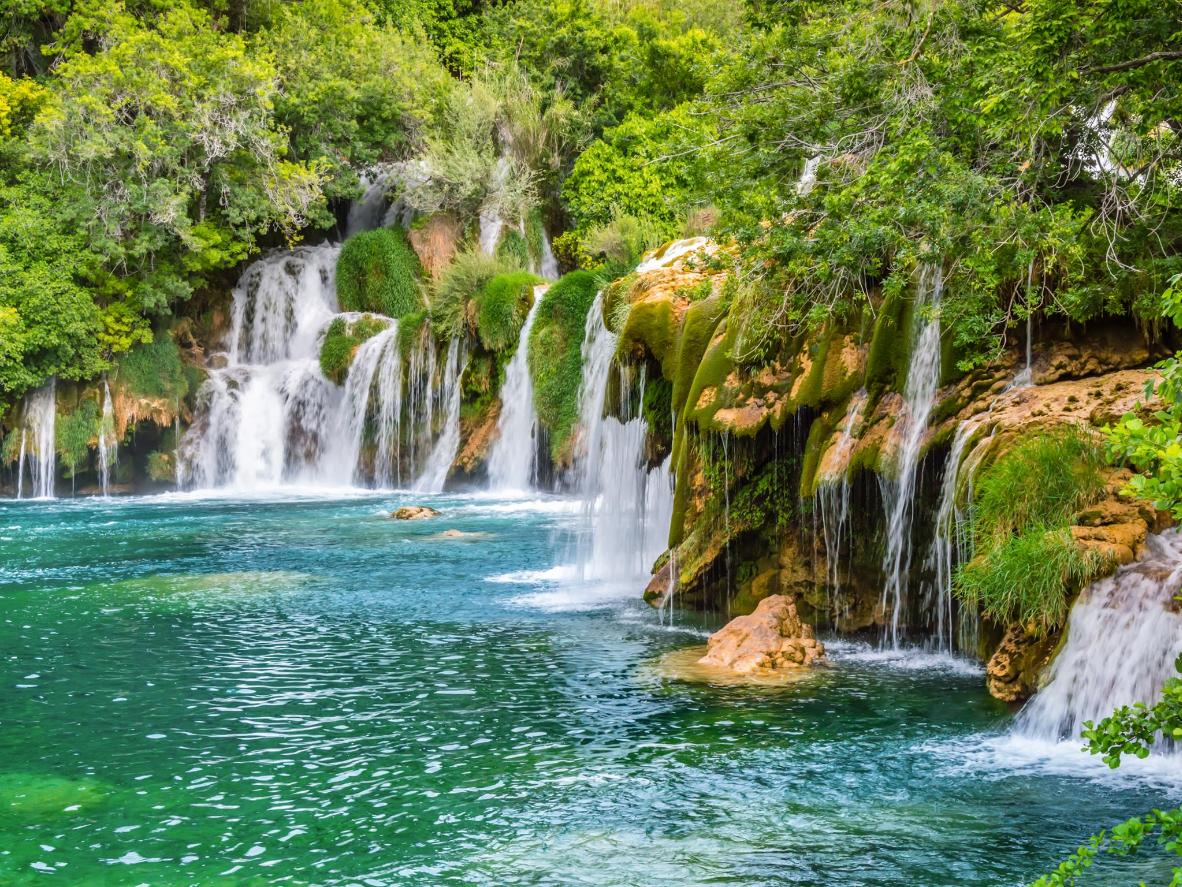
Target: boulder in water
771 638
414 512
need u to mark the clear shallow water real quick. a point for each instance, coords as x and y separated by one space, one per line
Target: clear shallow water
210 691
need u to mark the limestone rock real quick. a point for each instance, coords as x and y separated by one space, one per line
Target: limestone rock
1014 668
771 638
414 512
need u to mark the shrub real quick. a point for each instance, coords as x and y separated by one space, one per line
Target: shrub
462 281
154 370
73 434
340 343
378 271
621 242
502 306
513 250
1028 578
555 354
1042 482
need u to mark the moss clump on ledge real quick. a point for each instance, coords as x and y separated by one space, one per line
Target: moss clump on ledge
555 359
154 370
341 341
501 308
379 272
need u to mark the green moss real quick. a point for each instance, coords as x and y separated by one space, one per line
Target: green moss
501 307
409 330
652 328
341 341
555 360
887 362
154 370
161 466
712 371
812 388
819 433
535 233
378 271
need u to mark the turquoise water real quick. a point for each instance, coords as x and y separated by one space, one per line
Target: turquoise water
303 691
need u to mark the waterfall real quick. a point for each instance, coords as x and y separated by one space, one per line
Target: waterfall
368 211
512 463
627 505
443 453
376 351
1123 636
108 444
923 376
831 495
808 175
38 442
265 416
549 264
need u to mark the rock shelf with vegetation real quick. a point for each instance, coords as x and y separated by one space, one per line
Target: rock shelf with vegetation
842 319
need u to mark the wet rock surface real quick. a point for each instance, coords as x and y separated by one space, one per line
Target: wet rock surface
771 638
414 512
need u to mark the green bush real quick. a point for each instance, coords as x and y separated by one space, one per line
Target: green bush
154 370
1027 564
462 281
73 433
620 242
555 359
378 271
1042 482
341 341
1028 578
502 306
513 250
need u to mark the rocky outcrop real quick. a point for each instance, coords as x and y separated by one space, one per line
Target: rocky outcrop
1116 527
1014 668
771 638
414 512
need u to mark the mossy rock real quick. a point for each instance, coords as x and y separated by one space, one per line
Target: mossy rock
652 328
341 341
886 366
712 371
555 354
153 371
379 272
501 308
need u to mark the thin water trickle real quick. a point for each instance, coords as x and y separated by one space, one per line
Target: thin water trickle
38 442
919 396
443 452
108 444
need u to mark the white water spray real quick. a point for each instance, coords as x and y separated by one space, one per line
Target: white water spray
512 463
108 444
38 442
443 453
1123 636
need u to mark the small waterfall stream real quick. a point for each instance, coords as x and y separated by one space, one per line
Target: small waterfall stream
1123 635
443 453
627 505
831 495
38 442
919 396
108 444
512 462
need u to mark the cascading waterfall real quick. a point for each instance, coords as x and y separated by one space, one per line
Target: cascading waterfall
443 453
512 463
549 264
923 376
627 505
374 352
265 415
108 444
38 442
1123 636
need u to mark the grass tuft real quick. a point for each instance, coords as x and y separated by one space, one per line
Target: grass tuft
379 272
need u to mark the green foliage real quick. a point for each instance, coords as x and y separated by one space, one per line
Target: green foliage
555 364
501 307
619 243
1042 482
1153 445
379 272
154 370
460 284
341 341
1027 578
1130 730
162 466
73 433
1027 563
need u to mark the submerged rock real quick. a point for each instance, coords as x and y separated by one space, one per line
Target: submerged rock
414 512
773 637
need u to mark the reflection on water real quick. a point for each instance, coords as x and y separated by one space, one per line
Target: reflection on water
211 690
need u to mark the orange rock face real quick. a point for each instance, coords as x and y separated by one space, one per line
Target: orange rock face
771 638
